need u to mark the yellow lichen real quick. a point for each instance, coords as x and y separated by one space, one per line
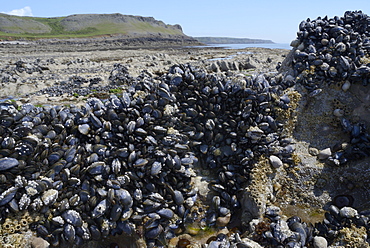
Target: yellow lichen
296 159
140 94
365 59
288 116
352 237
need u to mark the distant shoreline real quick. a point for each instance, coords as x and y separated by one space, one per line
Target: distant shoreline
247 45
231 40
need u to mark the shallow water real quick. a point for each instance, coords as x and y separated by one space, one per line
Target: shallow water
230 56
242 46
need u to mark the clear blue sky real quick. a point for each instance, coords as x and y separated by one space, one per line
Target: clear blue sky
276 20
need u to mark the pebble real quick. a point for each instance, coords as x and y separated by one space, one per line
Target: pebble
172 243
84 129
346 86
338 112
348 212
313 151
324 154
223 221
250 243
37 242
275 161
320 242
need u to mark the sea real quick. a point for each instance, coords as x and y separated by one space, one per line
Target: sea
242 46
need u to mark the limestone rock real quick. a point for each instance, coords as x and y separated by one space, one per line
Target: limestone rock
224 66
248 64
37 242
223 221
252 208
313 151
214 67
348 212
275 161
324 154
320 242
248 243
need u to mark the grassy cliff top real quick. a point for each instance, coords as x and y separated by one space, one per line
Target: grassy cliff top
83 25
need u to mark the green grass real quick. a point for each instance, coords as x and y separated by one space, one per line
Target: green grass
101 29
116 91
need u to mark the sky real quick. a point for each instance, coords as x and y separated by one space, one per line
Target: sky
275 20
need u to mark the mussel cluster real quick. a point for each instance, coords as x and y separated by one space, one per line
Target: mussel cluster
76 85
328 52
333 50
125 163
275 231
336 51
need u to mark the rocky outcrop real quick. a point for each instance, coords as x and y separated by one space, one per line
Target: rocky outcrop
325 183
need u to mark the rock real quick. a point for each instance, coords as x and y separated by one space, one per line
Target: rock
313 151
224 65
320 242
248 243
346 86
338 112
37 242
348 212
324 154
223 221
172 243
248 64
84 129
234 65
252 208
275 161
214 67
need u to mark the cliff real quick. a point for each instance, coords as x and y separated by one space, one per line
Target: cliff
85 25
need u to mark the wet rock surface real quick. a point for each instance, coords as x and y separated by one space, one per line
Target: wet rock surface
202 153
